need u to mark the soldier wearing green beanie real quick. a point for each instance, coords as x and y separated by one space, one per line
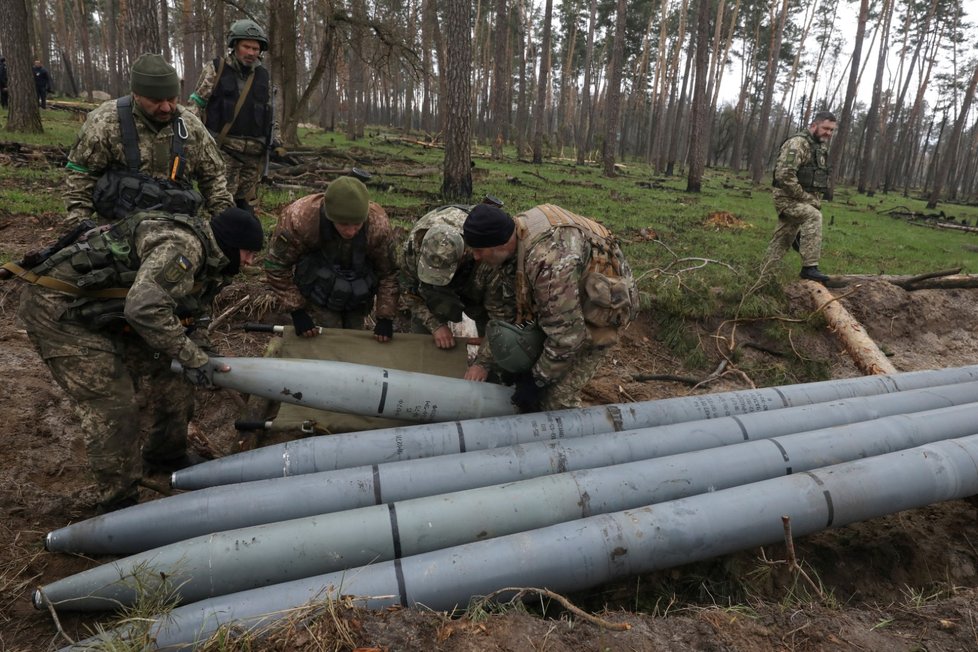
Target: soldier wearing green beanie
143 151
330 258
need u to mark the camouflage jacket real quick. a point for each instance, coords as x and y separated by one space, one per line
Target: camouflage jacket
202 95
407 263
172 263
98 147
799 151
553 260
297 234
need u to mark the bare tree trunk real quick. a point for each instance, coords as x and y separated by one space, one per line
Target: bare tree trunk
526 59
457 182
760 145
164 19
839 142
613 103
282 31
142 28
24 114
500 82
949 151
697 127
81 20
543 82
873 115
583 124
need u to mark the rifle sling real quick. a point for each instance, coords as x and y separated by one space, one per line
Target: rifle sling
67 288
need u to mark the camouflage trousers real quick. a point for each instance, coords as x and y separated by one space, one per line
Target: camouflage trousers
794 219
118 386
243 175
566 392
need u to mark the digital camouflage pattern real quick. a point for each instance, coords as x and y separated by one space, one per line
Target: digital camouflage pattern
297 233
120 375
244 158
798 208
555 261
98 147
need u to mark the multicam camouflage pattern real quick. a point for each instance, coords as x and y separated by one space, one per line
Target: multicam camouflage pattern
102 371
798 209
555 261
464 277
98 147
244 158
297 234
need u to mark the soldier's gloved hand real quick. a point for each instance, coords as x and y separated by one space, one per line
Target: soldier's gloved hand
203 376
384 330
528 393
304 327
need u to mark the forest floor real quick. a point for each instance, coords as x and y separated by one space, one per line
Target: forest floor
908 581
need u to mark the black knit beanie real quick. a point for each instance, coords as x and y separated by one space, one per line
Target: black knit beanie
487 226
236 229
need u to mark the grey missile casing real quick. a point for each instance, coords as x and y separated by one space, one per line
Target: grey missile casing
234 506
326 453
362 389
248 558
578 555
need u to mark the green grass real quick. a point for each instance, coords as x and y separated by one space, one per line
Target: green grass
691 272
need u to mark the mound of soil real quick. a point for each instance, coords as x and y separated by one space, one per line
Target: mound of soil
905 582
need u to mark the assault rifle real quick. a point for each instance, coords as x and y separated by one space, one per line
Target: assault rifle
37 256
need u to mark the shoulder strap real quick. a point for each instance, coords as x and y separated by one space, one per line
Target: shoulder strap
127 125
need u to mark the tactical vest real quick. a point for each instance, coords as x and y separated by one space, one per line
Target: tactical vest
254 118
813 175
333 280
119 193
108 260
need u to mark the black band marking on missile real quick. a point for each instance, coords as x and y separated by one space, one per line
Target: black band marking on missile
377 493
784 453
784 399
395 534
461 437
743 430
828 498
383 394
401 589
615 413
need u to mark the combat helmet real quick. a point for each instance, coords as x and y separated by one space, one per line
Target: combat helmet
247 29
514 348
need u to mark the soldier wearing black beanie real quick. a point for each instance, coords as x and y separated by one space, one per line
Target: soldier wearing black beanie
487 226
236 229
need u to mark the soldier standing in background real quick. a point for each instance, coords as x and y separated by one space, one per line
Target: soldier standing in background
233 98
107 315
801 177
573 291
143 151
42 83
329 256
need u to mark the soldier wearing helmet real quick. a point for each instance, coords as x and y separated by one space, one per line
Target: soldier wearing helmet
440 280
330 257
233 98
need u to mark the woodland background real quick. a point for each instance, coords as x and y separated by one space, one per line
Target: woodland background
605 80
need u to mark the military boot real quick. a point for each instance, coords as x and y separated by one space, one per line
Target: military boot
812 273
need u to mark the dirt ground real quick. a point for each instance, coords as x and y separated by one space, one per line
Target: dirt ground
905 582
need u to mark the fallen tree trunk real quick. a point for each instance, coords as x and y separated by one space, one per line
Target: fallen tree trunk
941 280
863 350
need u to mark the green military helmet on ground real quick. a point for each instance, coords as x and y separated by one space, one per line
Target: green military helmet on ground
441 251
247 29
514 348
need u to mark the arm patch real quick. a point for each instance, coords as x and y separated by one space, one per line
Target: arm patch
176 269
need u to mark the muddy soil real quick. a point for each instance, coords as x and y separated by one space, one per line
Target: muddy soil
908 581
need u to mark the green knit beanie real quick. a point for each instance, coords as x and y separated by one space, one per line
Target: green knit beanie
153 77
346 201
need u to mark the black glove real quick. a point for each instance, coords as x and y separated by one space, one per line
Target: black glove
302 321
528 394
199 376
384 328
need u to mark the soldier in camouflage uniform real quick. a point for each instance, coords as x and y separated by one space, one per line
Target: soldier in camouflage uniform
100 154
440 280
801 176
567 275
329 256
242 127
107 315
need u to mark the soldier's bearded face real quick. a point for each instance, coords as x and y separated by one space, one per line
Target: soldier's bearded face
160 110
247 51
492 256
823 130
